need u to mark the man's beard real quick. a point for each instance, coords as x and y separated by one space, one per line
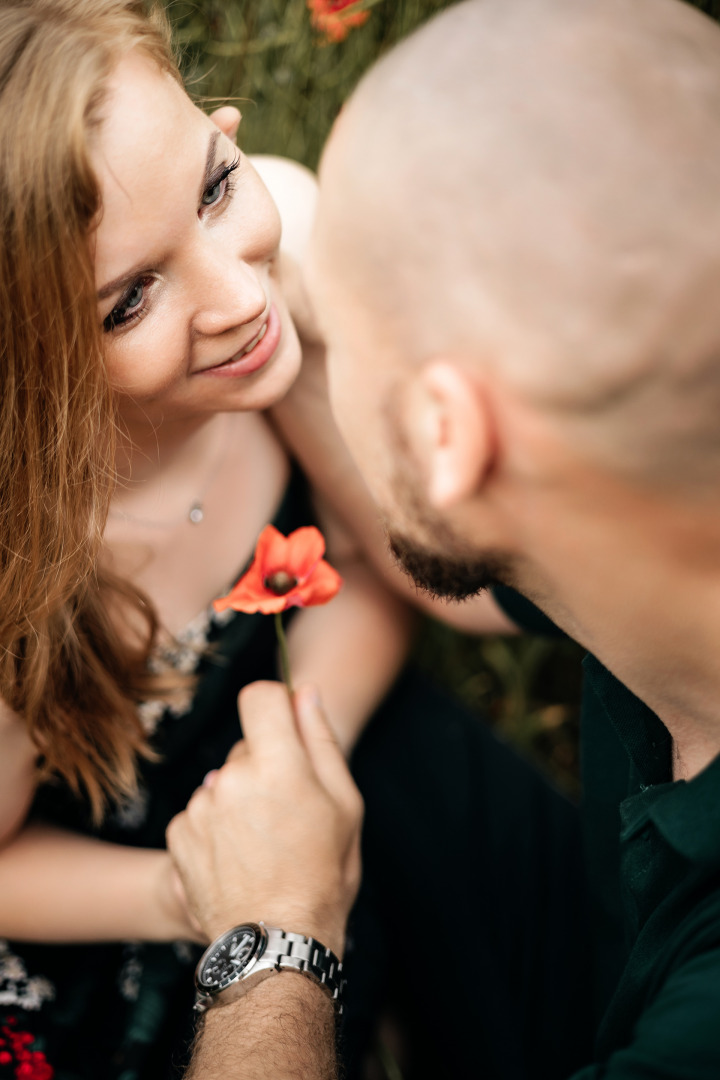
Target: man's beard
448 576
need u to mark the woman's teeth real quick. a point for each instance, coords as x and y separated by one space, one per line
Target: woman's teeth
255 341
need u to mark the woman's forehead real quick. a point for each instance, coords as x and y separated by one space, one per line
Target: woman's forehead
144 109
149 154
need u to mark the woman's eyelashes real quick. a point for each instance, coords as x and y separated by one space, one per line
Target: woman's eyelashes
220 186
130 307
132 304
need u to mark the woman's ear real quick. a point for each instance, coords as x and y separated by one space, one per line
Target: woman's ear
450 427
228 120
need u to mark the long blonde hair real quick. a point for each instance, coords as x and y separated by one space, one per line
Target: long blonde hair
64 667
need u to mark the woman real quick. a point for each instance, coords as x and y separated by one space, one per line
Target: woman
143 329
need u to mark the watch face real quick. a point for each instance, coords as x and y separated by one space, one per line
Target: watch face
228 957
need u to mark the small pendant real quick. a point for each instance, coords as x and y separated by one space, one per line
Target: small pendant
196 513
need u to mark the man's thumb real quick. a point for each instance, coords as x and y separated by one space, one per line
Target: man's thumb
321 744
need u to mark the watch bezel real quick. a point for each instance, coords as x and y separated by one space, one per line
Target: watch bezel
259 946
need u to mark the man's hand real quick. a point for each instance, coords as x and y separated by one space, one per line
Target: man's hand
275 835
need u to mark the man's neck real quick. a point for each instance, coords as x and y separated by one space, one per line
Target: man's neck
638 584
661 641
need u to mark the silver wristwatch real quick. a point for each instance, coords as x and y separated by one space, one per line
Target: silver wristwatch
246 955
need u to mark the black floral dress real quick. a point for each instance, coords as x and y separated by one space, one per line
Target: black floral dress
124 1011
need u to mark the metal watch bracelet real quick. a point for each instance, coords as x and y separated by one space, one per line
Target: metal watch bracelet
283 950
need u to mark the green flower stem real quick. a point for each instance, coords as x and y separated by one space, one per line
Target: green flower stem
284 655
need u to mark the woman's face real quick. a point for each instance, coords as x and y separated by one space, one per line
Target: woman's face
185 257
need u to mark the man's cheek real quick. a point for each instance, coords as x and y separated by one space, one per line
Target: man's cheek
340 401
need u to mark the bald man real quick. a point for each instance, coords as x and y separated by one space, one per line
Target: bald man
516 267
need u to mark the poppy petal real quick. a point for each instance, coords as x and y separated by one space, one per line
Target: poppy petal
300 556
270 550
320 588
304 549
244 592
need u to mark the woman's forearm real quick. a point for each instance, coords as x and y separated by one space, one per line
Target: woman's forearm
61 887
352 649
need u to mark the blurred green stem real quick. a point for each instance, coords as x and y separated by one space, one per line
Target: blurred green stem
284 655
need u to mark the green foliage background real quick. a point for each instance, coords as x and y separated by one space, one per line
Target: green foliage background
264 56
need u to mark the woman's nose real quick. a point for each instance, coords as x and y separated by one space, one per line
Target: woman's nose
229 294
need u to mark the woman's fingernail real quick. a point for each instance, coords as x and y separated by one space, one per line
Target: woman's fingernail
209 778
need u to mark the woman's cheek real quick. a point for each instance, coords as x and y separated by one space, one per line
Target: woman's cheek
146 360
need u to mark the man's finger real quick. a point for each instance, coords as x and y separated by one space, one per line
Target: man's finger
238 751
322 748
268 721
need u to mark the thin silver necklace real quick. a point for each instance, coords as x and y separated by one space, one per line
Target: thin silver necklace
195 514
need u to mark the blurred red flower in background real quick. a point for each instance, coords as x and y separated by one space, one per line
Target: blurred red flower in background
16 1054
336 18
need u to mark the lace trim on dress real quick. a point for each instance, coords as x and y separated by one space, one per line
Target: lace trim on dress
182 654
19 989
130 974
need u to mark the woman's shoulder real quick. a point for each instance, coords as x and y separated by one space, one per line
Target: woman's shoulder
294 190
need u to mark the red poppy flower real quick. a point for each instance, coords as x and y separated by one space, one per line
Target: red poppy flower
287 571
335 18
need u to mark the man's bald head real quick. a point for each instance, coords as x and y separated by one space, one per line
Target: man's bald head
536 184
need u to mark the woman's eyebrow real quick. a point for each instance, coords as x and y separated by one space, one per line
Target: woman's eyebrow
118 284
126 279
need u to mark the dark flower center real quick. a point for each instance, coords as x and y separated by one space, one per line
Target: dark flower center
280 583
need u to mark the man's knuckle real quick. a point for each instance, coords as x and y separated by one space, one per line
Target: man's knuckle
238 751
228 782
195 808
354 805
171 831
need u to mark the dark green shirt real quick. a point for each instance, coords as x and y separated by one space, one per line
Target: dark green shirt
653 857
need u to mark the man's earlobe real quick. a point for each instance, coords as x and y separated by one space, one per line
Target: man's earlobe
462 448
227 119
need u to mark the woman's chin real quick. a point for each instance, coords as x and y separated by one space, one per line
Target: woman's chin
274 382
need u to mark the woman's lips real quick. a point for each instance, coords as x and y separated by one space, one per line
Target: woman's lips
246 363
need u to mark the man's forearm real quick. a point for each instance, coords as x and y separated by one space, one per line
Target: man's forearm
282 1029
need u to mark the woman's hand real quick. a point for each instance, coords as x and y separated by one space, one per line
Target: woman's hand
275 835
172 904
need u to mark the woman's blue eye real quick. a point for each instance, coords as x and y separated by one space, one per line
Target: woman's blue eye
129 307
220 186
135 297
213 194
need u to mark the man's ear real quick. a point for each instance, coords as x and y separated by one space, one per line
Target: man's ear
450 427
228 120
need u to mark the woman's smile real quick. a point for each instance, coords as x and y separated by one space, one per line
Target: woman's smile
254 355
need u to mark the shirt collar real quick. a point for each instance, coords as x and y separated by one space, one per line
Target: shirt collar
686 813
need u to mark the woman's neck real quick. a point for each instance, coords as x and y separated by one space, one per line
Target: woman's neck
163 469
